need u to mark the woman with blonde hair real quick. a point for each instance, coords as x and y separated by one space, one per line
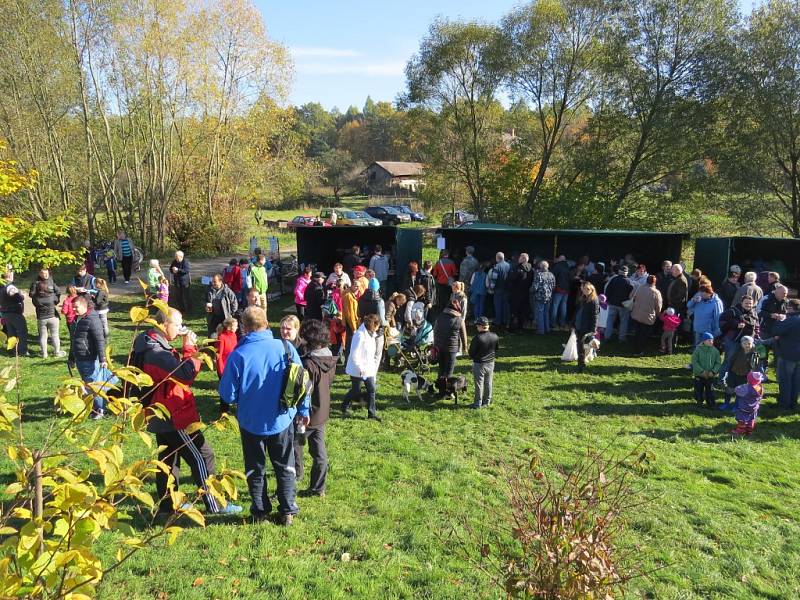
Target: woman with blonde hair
101 304
587 311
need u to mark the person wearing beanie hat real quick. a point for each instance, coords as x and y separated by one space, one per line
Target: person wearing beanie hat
602 317
670 322
706 363
748 401
743 360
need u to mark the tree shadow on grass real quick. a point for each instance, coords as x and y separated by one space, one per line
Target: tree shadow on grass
652 409
765 431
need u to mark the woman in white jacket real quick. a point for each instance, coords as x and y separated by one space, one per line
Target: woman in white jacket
362 365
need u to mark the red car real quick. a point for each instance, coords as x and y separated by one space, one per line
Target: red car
306 222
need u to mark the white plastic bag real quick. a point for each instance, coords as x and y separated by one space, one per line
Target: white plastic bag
570 349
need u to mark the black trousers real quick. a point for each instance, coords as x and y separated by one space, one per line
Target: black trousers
182 298
213 321
643 331
447 364
195 451
520 307
315 436
301 311
704 391
280 448
443 293
127 266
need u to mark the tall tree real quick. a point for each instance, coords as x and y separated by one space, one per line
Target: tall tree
658 111
456 73
762 154
554 50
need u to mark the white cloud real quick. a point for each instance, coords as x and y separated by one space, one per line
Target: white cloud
314 52
380 69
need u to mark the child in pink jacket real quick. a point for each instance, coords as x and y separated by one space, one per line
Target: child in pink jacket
300 292
671 323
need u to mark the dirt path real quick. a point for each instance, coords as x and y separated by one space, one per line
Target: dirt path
200 267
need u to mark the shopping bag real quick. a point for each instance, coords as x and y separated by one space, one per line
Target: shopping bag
570 349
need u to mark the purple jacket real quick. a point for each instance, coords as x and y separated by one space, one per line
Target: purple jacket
748 399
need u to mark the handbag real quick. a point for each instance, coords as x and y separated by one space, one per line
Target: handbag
628 304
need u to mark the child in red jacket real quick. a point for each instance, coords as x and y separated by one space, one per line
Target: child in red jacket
671 323
226 342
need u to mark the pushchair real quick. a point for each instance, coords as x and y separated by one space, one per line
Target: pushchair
413 351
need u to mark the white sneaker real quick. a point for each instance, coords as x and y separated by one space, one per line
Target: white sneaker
60 354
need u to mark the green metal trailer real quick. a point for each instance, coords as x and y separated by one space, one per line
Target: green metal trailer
325 246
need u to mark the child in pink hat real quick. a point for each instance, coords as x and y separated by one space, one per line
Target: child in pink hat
748 399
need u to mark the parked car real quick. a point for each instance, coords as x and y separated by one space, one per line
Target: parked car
458 218
388 215
344 217
370 220
304 221
415 216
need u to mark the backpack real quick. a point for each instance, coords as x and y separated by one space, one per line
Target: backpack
296 381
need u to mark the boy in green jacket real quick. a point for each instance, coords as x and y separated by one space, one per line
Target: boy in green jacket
706 363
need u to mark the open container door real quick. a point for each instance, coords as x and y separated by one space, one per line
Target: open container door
712 256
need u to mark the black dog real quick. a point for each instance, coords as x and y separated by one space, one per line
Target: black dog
451 386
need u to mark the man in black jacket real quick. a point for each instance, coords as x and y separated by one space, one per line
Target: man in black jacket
12 304
87 350
519 285
618 289
730 286
181 280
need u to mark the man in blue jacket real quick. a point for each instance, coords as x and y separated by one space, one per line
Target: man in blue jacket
788 332
253 379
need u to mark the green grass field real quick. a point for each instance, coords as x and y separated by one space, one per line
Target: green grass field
722 520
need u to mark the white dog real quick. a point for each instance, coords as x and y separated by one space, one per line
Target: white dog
590 347
412 383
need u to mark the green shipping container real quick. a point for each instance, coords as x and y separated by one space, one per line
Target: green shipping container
714 256
650 248
325 246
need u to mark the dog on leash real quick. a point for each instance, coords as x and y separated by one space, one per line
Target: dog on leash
412 383
590 346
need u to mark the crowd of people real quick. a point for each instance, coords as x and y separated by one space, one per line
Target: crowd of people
349 318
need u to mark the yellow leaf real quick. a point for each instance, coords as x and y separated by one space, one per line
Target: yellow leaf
11 343
193 514
146 439
139 314
14 488
197 582
193 427
143 284
160 305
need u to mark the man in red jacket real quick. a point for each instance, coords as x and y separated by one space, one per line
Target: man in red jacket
172 374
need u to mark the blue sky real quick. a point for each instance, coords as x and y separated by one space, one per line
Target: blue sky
344 50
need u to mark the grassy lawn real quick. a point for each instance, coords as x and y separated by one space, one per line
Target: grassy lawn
721 522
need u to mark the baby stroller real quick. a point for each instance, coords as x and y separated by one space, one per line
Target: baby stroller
415 343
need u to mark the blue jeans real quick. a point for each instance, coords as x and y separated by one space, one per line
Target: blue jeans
558 310
478 303
624 322
87 369
541 312
354 394
788 383
502 310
